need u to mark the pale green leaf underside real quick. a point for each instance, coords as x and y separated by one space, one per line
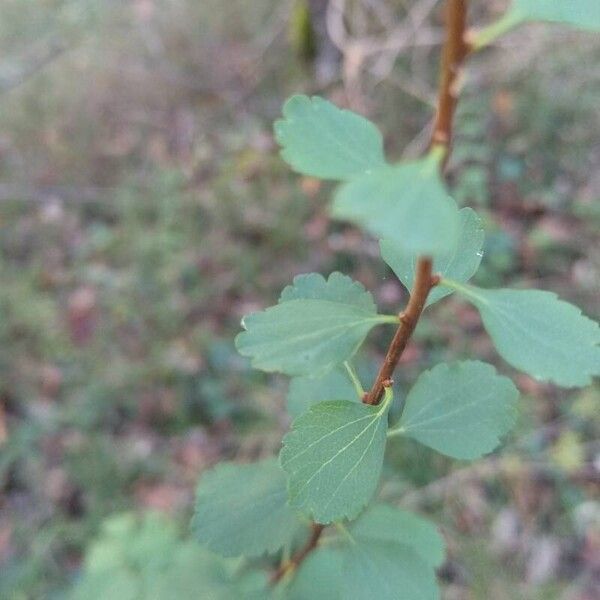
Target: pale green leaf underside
315 327
321 140
460 263
319 577
243 509
539 334
460 409
387 523
579 13
407 204
387 571
306 391
333 457
364 569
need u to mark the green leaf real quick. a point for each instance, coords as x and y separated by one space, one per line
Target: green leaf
459 263
338 288
119 584
317 325
407 204
387 571
319 577
584 14
460 409
322 140
306 391
333 457
243 509
387 523
217 578
538 333
366 568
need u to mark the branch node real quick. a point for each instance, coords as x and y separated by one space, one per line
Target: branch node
408 321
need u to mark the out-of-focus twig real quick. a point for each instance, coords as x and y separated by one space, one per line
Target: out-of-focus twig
40 58
490 468
377 55
29 193
3 426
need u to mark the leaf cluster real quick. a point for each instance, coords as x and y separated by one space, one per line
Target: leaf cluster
331 459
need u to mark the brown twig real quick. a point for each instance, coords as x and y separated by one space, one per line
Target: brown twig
424 281
297 559
453 55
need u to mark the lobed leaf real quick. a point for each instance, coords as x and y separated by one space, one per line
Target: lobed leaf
317 325
385 523
458 263
538 333
337 288
584 14
306 391
321 140
333 457
460 409
243 510
406 204
387 571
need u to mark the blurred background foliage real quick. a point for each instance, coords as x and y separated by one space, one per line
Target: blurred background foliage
144 210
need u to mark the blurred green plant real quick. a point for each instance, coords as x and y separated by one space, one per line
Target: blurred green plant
146 558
